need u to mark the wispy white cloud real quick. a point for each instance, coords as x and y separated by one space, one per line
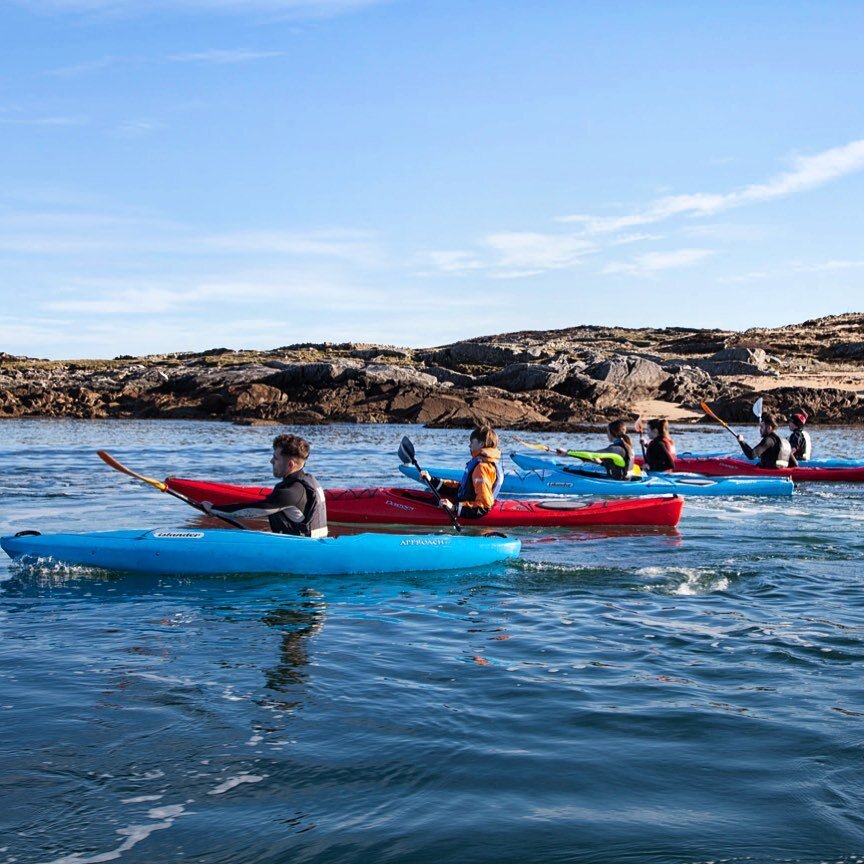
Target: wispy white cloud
65 232
224 56
515 254
87 66
18 116
654 262
520 254
287 8
807 172
134 129
359 247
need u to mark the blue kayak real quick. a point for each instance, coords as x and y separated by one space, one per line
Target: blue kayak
551 480
186 552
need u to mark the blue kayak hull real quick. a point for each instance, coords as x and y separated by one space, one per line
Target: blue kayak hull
189 552
547 480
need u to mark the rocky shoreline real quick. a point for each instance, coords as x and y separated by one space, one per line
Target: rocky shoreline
557 380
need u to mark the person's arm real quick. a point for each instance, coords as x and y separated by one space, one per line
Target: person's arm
438 484
749 451
290 500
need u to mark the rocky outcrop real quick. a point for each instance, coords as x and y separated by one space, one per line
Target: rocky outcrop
559 379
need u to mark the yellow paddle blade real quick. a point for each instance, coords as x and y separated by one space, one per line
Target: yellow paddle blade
534 446
109 460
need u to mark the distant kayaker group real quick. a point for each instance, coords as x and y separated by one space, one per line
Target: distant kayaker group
296 505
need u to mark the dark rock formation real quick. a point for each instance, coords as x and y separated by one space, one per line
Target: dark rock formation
557 379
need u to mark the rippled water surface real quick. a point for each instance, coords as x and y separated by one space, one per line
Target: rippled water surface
685 696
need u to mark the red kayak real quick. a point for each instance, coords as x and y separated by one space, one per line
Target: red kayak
410 507
742 468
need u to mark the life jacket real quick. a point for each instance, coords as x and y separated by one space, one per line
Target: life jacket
801 445
616 472
777 455
490 455
658 459
314 522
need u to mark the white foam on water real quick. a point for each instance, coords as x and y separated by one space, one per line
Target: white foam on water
141 799
134 835
235 781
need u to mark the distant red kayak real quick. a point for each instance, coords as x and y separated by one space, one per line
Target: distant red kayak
741 468
409 507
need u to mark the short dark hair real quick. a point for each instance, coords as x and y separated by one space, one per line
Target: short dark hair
768 420
292 446
486 435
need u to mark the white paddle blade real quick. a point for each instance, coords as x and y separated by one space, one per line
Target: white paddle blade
757 408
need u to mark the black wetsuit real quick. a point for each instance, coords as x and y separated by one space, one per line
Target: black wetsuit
295 506
772 452
799 441
659 455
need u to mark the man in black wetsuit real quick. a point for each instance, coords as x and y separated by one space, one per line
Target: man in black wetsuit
772 451
296 505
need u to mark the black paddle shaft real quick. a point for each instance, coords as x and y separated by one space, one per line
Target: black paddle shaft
406 449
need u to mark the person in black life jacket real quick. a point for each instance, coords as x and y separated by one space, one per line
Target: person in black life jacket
620 445
474 495
296 505
659 447
772 451
799 440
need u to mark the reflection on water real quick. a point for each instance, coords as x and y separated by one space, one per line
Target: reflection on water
296 625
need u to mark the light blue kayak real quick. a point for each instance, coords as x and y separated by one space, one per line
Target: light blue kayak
187 552
550 480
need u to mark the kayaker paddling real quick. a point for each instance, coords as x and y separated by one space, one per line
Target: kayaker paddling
296 505
621 461
772 451
659 448
474 495
799 440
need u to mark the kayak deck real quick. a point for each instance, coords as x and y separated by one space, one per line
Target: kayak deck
393 506
180 551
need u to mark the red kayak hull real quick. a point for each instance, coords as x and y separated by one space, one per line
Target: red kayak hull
742 468
409 507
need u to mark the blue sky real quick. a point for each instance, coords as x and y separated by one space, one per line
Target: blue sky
186 174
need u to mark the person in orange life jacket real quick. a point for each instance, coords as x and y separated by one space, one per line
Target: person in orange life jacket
659 448
296 505
799 440
473 497
772 451
619 444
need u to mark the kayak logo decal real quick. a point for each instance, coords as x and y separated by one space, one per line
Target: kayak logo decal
567 485
426 541
390 503
178 535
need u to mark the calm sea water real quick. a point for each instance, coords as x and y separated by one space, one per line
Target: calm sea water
689 696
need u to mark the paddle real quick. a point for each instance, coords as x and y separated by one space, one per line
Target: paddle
711 414
406 454
757 408
109 460
638 427
534 446
583 455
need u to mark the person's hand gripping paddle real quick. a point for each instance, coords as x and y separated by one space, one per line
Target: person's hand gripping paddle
406 454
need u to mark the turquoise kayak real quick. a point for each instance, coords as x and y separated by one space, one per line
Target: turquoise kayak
184 552
548 479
